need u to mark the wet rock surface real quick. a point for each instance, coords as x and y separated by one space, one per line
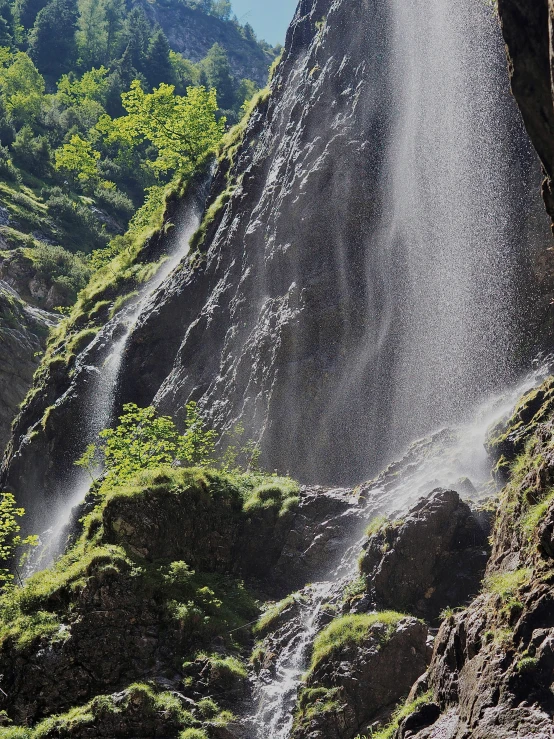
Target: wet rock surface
363 681
23 333
432 559
492 666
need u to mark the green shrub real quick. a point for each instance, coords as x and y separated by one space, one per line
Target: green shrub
7 169
115 202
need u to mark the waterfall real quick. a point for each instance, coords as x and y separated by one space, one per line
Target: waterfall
104 377
442 263
444 460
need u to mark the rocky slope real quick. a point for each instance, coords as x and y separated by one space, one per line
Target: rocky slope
23 334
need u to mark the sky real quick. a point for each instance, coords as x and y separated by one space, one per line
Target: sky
269 18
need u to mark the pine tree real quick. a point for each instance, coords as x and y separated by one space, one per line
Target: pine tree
136 38
218 74
52 40
158 67
92 35
115 11
27 11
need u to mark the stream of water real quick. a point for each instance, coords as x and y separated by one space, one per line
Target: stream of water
450 458
102 391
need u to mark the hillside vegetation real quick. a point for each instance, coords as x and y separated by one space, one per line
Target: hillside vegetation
98 113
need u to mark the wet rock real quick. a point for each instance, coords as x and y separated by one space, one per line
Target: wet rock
433 559
360 684
23 333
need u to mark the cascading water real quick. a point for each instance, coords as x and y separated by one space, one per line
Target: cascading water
450 459
102 390
443 261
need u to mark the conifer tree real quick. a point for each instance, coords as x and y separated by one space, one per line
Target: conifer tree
218 76
158 67
52 40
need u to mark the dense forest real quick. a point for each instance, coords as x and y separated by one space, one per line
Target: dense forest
94 106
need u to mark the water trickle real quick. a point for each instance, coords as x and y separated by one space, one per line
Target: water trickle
103 386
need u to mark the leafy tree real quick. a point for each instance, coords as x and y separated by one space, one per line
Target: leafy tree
21 88
158 63
144 439
215 66
79 159
183 129
184 73
10 538
221 9
52 39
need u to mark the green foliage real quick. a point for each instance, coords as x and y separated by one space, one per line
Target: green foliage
79 159
52 39
10 538
399 715
146 440
350 630
182 129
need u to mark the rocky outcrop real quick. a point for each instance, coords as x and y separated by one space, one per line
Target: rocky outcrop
491 672
360 682
527 30
432 559
23 334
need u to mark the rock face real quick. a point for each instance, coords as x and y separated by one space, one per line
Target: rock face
433 559
363 681
527 30
23 333
491 672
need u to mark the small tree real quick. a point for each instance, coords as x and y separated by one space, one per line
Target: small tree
79 159
10 538
144 439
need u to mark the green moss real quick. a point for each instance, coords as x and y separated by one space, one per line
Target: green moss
399 715
270 617
350 630
151 704
536 513
279 493
527 664
377 525
193 734
313 702
506 584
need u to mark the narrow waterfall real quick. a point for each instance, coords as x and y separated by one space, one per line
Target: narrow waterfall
102 390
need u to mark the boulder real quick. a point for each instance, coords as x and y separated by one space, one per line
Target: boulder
431 560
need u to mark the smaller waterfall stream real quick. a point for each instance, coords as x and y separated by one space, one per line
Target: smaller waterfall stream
102 391
454 459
